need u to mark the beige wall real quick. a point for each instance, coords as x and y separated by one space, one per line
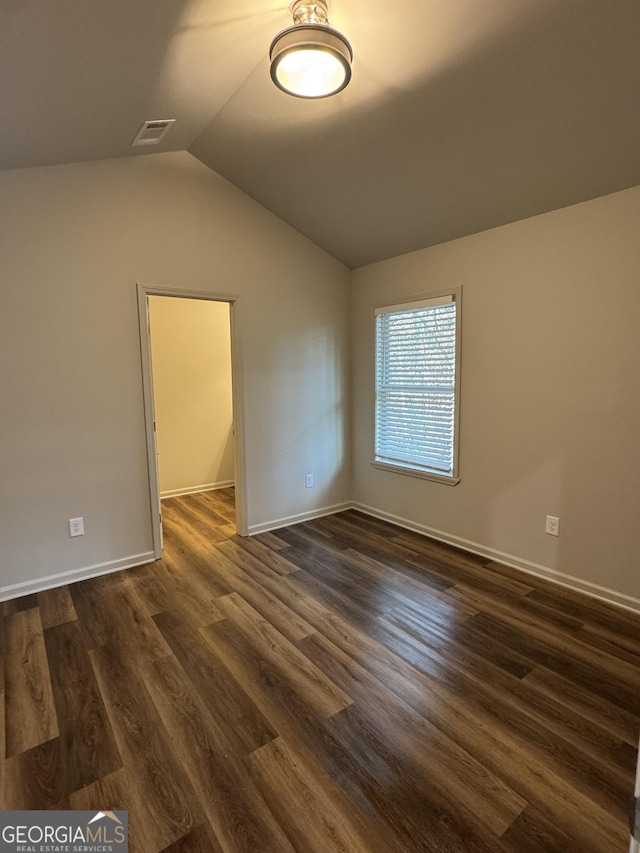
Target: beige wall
74 240
551 358
191 354
550 412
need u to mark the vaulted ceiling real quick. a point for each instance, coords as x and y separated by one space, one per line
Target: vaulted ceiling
461 115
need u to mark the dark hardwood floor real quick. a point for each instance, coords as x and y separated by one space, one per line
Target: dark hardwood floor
339 685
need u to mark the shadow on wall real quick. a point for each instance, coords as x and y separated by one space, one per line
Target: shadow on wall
312 381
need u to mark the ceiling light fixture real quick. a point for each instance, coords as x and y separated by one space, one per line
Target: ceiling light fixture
310 59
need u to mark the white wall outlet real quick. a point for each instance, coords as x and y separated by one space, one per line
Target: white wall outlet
552 527
308 481
76 527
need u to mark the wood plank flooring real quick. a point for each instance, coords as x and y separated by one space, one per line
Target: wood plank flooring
339 685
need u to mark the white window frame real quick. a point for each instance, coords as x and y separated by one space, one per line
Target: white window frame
420 301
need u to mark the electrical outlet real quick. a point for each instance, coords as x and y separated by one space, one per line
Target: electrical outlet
308 481
76 527
552 527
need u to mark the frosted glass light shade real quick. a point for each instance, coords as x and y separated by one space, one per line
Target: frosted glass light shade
310 61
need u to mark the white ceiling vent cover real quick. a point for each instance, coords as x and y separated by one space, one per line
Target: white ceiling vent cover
152 132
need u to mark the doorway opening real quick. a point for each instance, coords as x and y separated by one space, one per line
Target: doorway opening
192 400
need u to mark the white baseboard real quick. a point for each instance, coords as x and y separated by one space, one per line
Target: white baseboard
573 583
192 490
296 519
576 584
51 581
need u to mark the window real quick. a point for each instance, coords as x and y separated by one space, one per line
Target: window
417 382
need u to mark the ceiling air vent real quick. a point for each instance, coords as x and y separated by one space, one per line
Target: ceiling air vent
152 132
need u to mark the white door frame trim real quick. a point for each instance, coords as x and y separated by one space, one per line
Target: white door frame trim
144 291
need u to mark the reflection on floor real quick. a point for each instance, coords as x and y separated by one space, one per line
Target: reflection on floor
338 685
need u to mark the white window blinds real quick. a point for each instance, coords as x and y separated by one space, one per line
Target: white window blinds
415 385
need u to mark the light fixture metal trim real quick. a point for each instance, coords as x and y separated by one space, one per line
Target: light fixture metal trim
311 32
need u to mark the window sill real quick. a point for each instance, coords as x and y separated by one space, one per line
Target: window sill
416 472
